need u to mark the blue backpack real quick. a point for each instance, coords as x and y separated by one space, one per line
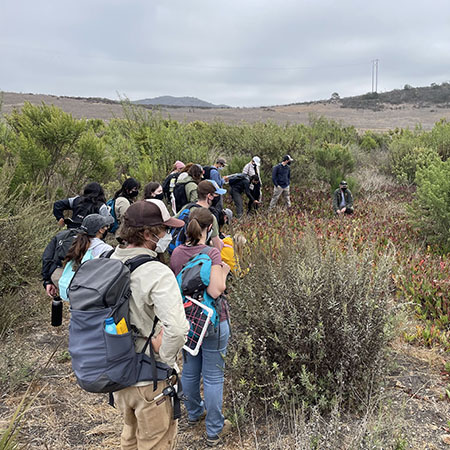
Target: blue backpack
179 234
112 210
193 280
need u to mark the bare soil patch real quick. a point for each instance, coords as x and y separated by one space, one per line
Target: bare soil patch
390 117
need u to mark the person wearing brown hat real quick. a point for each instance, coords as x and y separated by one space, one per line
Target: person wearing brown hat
155 293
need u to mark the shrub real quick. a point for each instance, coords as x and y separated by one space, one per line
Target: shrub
430 211
334 162
310 325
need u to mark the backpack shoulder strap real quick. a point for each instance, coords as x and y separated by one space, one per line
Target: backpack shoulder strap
137 261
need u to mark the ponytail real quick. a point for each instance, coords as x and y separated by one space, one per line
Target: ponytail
199 220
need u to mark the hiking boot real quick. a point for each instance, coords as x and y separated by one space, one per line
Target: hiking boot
195 422
217 439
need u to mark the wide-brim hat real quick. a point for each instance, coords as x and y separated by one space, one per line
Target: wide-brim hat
150 213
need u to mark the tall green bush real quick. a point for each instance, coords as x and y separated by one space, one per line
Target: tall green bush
310 326
430 211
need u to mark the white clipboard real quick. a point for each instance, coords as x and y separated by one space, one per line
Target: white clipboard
209 313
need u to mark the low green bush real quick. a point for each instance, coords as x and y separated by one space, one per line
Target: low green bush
430 211
310 326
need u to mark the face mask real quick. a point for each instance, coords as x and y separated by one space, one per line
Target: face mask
103 236
208 235
215 201
159 196
220 168
344 188
133 194
163 243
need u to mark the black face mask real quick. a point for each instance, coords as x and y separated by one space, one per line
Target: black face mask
103 236
344 188
215 201
159 196
133 194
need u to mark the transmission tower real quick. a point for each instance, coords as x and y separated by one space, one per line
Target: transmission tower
375 75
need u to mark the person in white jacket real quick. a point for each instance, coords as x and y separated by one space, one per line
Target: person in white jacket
253 168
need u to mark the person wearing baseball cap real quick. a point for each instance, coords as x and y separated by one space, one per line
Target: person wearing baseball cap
281 177
250 169
342 199
155 303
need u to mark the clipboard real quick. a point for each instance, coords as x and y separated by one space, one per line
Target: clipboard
199 317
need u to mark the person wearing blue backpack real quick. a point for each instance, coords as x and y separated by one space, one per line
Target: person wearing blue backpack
209 362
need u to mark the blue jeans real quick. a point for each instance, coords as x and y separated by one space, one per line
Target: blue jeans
209 363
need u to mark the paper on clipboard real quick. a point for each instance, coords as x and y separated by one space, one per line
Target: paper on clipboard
199 317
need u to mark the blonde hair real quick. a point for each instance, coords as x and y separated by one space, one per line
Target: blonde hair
239 242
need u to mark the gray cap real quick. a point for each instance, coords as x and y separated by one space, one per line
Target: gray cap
93 222
229 214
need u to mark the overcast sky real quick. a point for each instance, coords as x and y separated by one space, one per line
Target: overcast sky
240 53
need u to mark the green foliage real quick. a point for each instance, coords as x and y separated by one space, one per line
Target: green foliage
430 211
439 139
334 162
310 325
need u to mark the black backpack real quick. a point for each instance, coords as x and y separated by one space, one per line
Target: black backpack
166 184
64 241
179 194
207 170
81 209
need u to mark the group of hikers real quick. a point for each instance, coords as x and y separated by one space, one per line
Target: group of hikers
158 304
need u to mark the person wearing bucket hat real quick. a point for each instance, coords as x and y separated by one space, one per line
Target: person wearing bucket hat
342 199
281 177
155 299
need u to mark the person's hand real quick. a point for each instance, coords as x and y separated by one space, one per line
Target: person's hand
226 178
226 268
257 202
157 341
61 222
343 209
51 290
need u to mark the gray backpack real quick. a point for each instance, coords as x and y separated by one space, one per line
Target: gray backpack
105 362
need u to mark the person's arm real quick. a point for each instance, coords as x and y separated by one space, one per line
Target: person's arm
168 307
289 176
191 192
335 201
120 207
246 170
275 175
350 199
47 261
215 239
215 176
60 206
247 190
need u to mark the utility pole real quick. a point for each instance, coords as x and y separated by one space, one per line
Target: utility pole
374 75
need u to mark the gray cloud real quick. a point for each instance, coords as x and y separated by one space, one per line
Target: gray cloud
254 52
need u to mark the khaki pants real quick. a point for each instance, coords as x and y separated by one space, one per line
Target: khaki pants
277 191
147 424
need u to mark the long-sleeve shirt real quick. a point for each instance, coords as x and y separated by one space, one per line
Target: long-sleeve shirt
215 175
281 175
241 184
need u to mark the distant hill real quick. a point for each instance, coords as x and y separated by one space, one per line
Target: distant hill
168 100
436 95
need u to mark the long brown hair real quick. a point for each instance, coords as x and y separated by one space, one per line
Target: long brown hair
77 250
199 219
196 172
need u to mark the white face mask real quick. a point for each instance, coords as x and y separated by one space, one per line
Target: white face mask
163 243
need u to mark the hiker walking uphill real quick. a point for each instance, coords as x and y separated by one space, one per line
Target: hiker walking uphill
239 185
250 169
207 194
185 190
209 362
342 199
90 202
122 200
169 182
155 300
281 177
88 244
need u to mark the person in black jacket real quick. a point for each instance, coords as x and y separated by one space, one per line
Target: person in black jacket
92 201
281 177
239 184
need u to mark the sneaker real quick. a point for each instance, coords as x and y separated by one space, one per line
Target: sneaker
195 422
217 439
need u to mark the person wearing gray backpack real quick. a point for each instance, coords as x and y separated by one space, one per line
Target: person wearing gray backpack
148 416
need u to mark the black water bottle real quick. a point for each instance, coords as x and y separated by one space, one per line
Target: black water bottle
57 308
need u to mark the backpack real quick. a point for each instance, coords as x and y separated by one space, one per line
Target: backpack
193 280
111 204
64 241
104 362
68 274
81 209
233 179
179 234
179 193
169 184
207 172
